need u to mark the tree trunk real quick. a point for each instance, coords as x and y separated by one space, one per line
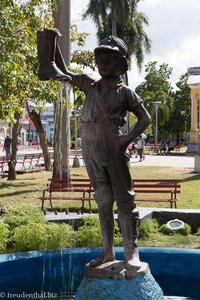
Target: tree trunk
36 119
113 14
12 162
61 167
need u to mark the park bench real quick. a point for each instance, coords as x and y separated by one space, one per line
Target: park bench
81 189
68 190
29 161
4 163
178 148
152 148
166 188
155 190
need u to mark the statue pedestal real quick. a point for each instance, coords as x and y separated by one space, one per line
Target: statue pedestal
111 281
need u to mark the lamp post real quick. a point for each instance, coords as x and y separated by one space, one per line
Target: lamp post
156 105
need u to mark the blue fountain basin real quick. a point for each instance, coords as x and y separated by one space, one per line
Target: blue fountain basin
60 272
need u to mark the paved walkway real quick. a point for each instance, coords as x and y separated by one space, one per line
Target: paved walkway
157 161
184 161
165 161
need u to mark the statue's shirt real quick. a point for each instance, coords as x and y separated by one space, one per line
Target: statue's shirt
106 99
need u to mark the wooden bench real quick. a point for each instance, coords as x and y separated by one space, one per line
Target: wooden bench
152 148
166 188
4 163
70 190
81 189
29 161
177 148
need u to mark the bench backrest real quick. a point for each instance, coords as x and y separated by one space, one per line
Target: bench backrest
139 185
67 180
156 185
70 185
4 158
31 156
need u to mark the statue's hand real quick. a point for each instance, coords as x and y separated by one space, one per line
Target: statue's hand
122 142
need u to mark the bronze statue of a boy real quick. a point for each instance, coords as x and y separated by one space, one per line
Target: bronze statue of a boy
104 147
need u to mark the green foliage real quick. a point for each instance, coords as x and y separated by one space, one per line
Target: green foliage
77 37
174 111
117 235
20 21
186 230
198 232
22 214
152 226
40 236
147 228
180 118
4 236
89 233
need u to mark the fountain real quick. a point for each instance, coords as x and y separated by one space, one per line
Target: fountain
58 274
104 151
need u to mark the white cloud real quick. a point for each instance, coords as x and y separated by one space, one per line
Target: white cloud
152 2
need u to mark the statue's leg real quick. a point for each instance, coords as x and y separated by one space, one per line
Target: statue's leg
128 224
106 218
104 197
94 155
127 212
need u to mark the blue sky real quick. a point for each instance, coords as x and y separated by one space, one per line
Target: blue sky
173 29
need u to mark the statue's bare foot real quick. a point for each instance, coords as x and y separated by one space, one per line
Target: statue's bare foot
101 259
133 263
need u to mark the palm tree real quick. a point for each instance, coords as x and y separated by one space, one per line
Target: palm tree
129 24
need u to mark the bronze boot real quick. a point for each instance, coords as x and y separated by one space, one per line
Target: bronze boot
47 45
128 225
106 218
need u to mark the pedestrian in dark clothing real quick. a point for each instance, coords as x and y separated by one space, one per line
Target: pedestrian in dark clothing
7 145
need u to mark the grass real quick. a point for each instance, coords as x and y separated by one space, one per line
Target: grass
175 241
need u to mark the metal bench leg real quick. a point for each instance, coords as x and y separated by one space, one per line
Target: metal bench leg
82 207
42 205
51 204
90 206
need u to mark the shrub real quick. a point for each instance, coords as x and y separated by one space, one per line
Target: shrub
4 236
41 236
21 214
89 233
60 236
147 227
185 230
198 232
117 235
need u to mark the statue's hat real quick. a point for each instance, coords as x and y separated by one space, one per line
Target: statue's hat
113 43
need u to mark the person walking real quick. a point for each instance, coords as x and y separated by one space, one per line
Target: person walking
140 147
7 144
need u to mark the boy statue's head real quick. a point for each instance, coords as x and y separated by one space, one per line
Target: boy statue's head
111 57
